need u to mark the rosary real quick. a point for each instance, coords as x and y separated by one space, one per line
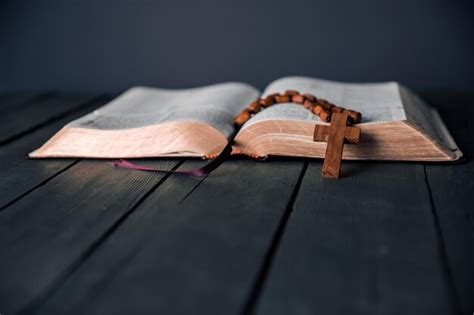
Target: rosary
341 127
340 130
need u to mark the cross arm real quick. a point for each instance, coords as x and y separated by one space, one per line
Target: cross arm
351 134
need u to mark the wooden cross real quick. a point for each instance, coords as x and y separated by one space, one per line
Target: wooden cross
335 135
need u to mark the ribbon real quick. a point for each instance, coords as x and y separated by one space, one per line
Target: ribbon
198 172
319 107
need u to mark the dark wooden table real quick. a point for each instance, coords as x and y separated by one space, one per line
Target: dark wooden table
81 237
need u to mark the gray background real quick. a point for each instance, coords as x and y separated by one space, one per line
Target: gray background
107 46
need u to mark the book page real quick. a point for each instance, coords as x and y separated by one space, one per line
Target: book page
289 111
378 102
215 105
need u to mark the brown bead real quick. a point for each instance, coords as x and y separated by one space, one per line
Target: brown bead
325 116
322 101
308 105
325 104
242 118
329 106
267 101
317 109
255 107
310 97
337 109
282 98
273 95
354 116
291 92
298 98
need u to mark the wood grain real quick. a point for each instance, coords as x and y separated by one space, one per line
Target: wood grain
49 232
198 254
452 188
35 113
19 175
333 156
351 135
85 238
365 244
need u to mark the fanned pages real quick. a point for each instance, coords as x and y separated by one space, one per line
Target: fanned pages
150 122
396 124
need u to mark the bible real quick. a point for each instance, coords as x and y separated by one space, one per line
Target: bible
148 122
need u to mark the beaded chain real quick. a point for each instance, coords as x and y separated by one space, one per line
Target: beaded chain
317 106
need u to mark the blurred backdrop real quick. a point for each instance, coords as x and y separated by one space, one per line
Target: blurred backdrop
107 46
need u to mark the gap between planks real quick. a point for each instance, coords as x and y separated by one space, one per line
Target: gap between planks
256 291
82 106
160 213
51 119
56 284
442 249
44 182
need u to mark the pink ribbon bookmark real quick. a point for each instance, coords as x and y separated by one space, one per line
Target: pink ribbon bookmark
132 166
206 169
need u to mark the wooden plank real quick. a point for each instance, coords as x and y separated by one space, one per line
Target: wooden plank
101 295
18 174
186 254
28 116
48 233
365 244
452 188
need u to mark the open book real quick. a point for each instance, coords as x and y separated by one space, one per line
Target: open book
151 122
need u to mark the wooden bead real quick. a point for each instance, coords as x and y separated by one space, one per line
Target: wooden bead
255 107
273 95
317 109
321 107
291 92
337 109
325 115
325 104
354 116
310 97
308 105
282 98
328 106
242 118
298 98
267 101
